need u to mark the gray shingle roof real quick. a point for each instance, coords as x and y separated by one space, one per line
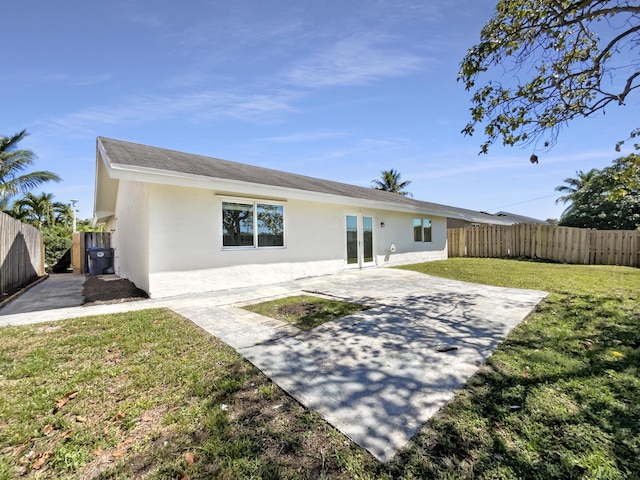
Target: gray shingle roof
134 155
519 218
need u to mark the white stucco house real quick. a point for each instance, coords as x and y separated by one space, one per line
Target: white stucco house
184 223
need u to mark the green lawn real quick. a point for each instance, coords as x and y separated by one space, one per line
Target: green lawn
149 394
561 397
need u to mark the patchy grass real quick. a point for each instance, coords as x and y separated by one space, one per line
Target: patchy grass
149 394
305 311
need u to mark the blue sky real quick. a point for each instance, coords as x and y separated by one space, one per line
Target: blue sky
339 90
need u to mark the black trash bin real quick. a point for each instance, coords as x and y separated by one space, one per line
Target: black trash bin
100 260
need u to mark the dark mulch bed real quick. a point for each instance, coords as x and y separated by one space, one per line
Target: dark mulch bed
98 290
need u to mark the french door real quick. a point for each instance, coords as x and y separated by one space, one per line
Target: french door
359 240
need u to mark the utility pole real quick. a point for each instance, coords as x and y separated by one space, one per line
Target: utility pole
73 209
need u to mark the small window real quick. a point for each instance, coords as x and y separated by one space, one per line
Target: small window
421 230
252 225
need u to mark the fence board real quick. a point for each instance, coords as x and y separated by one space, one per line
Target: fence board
21 253
549 242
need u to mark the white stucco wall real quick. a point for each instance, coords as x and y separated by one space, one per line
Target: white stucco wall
130 233
186 253
398 230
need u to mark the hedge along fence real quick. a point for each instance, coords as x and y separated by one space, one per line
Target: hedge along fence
21 253
549 242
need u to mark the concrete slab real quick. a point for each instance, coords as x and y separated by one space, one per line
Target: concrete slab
376 376
379 375
56 291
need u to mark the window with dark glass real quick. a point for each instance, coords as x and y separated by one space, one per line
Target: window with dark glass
421 230
237 224
252 225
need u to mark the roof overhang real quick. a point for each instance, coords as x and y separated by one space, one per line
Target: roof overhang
109 173
106 189
223 186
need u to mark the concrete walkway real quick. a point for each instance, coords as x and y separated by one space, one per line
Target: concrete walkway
56 291
378 375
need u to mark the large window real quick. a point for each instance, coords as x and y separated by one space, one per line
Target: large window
421 230
252 224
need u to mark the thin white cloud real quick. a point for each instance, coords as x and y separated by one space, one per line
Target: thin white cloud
146 19
189 79
312 136
204 105
458 164
588 157
90 80
453 168
139 15
231 32
354 61
65 78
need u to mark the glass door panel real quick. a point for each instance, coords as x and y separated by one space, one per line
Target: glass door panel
352 239
367 240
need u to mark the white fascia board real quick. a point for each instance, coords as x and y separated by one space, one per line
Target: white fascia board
105 188
228 187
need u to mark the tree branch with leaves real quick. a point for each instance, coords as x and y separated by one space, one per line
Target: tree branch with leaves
560 60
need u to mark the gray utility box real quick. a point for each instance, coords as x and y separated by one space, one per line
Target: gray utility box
100 260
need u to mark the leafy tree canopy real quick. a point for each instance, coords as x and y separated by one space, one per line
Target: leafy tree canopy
572 185
609 199
560 59
390 182
54 219
41 211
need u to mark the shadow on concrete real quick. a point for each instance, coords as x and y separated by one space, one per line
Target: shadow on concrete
378 375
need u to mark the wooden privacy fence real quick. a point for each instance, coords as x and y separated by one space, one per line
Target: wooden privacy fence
21 253
81 241
550 242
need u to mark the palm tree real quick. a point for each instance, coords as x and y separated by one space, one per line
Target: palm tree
13 162
37 210
390 182
63 214
574 184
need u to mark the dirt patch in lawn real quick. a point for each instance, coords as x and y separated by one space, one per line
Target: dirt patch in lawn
301 309
306 311
99 289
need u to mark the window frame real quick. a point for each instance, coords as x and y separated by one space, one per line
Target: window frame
422 221
254 204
